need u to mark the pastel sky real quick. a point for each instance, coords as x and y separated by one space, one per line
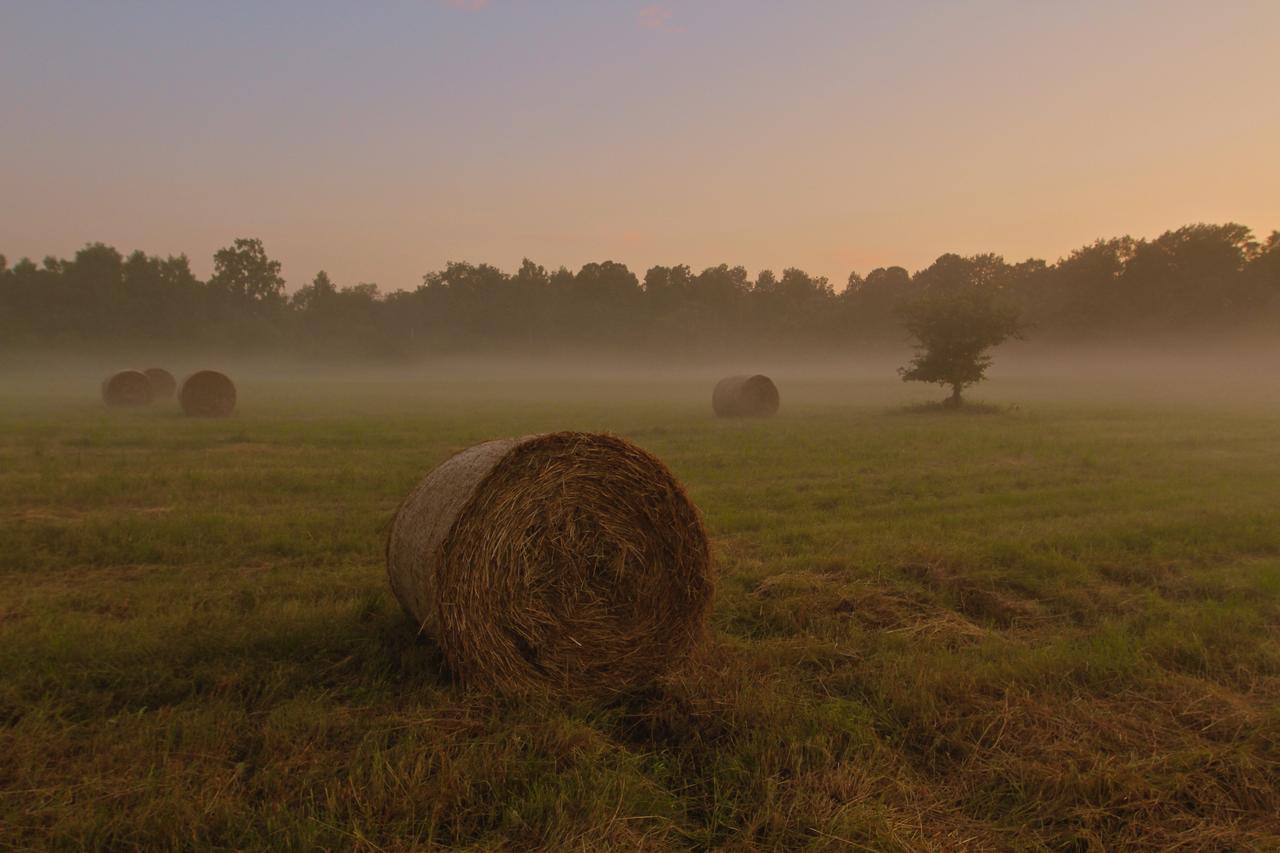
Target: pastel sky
379 140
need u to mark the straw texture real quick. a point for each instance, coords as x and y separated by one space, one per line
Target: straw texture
570 561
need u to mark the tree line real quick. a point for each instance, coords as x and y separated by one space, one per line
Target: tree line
1196 279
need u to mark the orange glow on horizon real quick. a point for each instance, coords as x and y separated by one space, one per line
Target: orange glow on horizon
378 145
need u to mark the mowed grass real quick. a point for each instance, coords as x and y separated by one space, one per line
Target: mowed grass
1051 625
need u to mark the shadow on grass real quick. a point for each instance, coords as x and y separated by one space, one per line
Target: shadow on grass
946 408
256 662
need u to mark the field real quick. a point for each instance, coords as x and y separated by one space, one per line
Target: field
1054 624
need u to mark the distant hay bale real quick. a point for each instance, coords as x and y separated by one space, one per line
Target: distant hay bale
207 394
162 382
570 562
127 388
745 397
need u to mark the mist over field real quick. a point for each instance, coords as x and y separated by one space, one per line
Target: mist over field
1207 374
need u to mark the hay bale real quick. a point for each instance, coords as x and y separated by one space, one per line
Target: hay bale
745 397
207 394
127 388
571 561
162 382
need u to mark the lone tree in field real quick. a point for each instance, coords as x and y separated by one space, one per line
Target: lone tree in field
957 315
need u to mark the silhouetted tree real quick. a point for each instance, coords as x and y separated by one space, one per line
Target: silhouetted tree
312 297
160 297
957 317
597 306
1193 279
1080 296
477 304
667 287
870 305
766 282
244 271
1189 277
1265 266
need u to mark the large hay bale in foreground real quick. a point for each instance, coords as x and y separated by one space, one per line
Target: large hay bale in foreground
162 382
127 388
571 561
745 397
207 394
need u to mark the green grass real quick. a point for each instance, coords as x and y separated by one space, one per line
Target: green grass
1055 625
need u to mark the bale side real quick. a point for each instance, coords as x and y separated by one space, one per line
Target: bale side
207 394
745 396
127 388
416 542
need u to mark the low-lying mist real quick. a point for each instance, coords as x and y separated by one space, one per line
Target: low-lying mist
1211 374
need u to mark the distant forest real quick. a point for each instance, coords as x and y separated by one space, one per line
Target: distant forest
1201 279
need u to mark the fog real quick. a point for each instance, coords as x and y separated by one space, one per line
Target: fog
1217 374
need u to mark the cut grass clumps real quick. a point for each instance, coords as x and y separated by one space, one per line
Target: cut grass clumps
162 382
127 388
568 562
745 397
207 394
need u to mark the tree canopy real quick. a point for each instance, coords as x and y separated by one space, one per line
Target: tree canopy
957 316
1191 280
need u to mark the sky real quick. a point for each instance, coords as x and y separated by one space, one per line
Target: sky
377 141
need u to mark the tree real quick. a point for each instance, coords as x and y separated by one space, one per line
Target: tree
1266 266
159 298
244 270
870 304
598 304
91 293
313 296
666 288
1082 296
798 286
766 282
956 318
1189 278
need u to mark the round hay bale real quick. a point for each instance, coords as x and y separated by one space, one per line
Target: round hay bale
207 394
570 562
162 381
745 397
127 388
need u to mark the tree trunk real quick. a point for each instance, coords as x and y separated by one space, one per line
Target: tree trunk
955 400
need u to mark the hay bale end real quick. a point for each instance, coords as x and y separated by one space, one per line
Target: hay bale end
568 562
207 394
162 382
745 397
127 388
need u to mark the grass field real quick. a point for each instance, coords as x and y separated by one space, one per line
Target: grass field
1051 625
